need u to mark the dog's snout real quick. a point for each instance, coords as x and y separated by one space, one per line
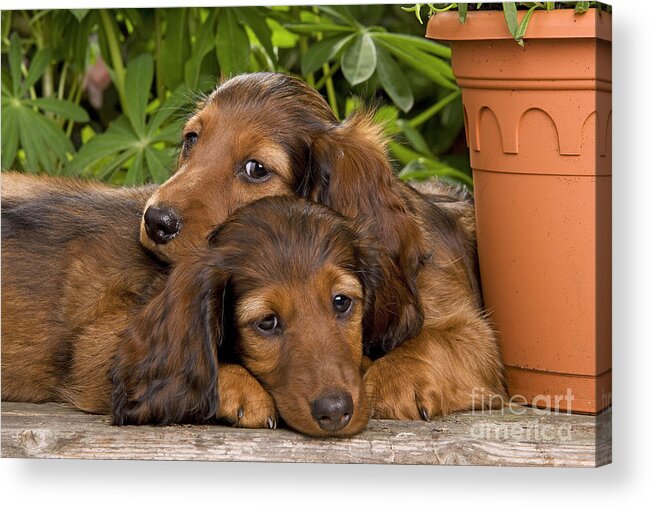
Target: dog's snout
333 410
161 224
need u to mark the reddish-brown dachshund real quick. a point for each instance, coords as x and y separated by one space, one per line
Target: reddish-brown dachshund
268 134
282 288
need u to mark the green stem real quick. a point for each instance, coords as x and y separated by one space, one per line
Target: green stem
62 80
71 94
446 8
160 87
330 89
328 72
116 57
77 99
32 90
302 46
47 82
73 89
433 109
6 27
402 153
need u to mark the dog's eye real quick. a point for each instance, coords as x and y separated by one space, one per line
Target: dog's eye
341 303
190 140
268 325
255 170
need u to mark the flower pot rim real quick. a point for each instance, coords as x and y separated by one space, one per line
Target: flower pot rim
491 25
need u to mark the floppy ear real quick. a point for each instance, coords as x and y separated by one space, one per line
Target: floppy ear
350 172
165 368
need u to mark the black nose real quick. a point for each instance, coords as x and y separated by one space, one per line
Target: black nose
161 224
333 410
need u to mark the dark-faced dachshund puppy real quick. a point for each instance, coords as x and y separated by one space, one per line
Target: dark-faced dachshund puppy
269 134
283 288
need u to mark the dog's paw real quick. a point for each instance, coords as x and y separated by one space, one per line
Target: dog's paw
243 402
402 389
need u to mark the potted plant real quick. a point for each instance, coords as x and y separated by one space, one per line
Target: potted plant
538 124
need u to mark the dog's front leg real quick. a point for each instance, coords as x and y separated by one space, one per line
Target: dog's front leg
243 402
453 364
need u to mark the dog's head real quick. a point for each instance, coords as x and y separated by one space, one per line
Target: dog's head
270 134
284 285
249 139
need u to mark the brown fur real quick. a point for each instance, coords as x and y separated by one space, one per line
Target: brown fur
108 331
277 256
433 344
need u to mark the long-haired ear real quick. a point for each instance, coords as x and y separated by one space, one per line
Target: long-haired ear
351 173
165 368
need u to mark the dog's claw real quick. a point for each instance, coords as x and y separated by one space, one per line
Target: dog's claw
240 413
423 413
271 423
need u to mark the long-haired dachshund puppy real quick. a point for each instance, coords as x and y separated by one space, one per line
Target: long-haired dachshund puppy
268 134
282 287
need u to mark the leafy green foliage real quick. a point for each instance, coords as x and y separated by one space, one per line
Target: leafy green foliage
517 28
148 67
136 139
31 123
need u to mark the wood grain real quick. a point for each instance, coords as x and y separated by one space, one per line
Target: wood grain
516 436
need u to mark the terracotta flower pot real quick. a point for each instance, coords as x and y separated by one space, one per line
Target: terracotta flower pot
538 125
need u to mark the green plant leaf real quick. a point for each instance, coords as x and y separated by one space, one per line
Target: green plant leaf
36 68
323 51
172 105
434 109
9 135
28 141
409 42
393 80
135 173
426 64
582 7
424 168
463 12
107 170
522 27
158 164
117 138
415 9
53 137
312 28
62 108
205 42
80 14
232 44
511 15
340 12
42 141
359 60
170 134
387 116
176 47
15 57
255 19
427 60
139 77
415 138
280 36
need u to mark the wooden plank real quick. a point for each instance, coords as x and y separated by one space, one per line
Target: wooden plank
530 438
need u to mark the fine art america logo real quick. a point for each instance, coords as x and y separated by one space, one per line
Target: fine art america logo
538 428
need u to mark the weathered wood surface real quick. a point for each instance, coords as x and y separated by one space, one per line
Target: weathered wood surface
532 438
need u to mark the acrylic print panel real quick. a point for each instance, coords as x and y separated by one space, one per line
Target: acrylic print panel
334 234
